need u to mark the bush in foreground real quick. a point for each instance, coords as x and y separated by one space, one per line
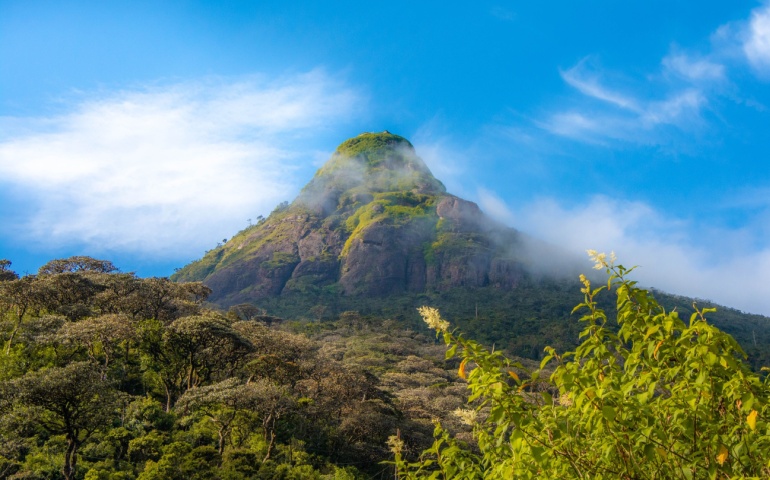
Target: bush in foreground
654 397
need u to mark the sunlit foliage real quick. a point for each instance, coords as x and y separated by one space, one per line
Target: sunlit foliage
654 397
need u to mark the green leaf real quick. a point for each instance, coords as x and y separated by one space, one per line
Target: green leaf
609 413
651 331
451 351
649 452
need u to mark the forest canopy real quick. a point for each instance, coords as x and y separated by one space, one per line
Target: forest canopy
105 375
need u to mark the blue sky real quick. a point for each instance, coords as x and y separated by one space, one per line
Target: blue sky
146 132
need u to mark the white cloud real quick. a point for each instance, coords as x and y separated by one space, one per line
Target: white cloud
446 160
603 113
682 109
572 124
674 255
694 69
169 170
587 82
588 127
756 44
495 207
674 99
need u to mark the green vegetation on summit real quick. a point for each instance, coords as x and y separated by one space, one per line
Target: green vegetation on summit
376 162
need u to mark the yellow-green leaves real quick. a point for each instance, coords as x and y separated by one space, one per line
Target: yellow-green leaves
646 397
751 420
609 413
722 455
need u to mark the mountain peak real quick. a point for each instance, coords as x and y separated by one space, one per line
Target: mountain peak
370 142
373 162
372 221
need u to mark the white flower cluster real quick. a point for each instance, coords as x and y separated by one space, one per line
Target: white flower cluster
466 416
433 319
600 259
586 284
395 444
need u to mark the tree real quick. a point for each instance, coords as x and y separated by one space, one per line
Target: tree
279 356
80 287
71 294
153 297
101 337
166 300
228 402
17 297
654 398
203 342
5 271
222 403
77 264
180 461
244 312
190 351
73 401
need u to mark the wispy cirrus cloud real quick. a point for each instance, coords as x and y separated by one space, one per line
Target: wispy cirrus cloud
674 107
588 82
694 68
677 98
606 112
165 170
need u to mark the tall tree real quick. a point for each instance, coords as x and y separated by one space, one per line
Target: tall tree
5 271
102 338
166 300
74 401
17 297
77 264
190 351
228 402
205 342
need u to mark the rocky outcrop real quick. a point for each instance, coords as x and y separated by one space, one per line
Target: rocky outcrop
373 221
385 259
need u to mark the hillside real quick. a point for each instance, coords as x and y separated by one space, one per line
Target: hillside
375 232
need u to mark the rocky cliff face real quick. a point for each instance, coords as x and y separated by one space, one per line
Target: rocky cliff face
373 221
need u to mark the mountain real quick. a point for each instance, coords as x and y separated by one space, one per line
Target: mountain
372 221
375 232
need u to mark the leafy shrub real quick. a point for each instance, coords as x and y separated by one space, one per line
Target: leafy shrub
654 397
